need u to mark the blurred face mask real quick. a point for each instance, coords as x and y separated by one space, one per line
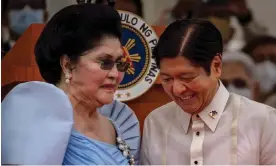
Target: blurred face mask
266 75
20 20
246 92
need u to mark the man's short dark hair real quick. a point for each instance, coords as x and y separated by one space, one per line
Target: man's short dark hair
197 40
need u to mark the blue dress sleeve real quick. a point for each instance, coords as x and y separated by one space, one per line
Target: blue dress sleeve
37 119
127 124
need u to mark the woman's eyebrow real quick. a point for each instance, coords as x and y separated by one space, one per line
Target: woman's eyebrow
104 56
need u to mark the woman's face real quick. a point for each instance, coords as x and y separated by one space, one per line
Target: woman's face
93 84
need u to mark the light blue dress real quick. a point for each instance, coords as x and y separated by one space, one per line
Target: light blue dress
37 120
85 151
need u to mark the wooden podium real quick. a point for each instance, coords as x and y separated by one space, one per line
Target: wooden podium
19 65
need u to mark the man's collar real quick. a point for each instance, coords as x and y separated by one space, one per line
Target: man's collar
210 114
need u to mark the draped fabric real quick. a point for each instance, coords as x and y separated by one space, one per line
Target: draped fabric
126 123
37 120
85 151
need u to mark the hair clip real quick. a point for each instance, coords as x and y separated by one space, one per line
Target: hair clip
111 3
80 1
190 15
83 1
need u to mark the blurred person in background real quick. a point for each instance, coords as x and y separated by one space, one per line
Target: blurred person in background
4 46
219 12
18 16
133 6
263 50
238 74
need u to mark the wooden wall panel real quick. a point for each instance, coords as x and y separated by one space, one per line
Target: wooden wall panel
19 63
152 99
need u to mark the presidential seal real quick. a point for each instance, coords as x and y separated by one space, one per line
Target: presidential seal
139 39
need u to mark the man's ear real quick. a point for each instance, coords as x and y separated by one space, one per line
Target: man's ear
216 66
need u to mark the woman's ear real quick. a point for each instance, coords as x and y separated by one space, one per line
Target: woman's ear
66 67
65 64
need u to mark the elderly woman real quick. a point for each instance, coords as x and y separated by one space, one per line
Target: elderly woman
72 119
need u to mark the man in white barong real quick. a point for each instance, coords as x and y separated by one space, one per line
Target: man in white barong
205 124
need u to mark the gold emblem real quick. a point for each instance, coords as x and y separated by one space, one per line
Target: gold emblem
130 58
119 95
213 114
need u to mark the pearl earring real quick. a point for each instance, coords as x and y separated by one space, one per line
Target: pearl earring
67 81
67 76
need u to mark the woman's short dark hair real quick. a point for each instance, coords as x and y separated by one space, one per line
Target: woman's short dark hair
197 40
72 31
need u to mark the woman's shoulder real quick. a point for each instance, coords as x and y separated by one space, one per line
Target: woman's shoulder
118 111
34 99
126 123
35 116
121 114
34 88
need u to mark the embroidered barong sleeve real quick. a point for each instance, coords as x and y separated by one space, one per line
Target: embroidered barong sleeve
268 139
144 158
